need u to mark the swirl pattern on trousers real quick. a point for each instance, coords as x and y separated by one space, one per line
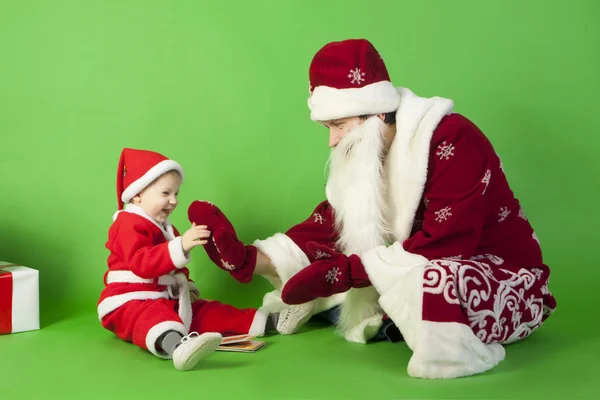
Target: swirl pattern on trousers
501 303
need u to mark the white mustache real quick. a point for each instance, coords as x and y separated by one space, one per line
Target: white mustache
359 140
351 140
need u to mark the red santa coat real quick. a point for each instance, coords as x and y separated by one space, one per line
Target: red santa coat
450 210
146 262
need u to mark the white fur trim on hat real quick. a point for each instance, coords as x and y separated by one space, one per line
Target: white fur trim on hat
146 179
327 103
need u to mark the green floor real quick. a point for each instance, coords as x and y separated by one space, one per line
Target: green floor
74 358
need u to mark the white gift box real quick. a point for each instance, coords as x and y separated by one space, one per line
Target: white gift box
19 298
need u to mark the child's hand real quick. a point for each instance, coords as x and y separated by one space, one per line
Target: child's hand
194 297
194 237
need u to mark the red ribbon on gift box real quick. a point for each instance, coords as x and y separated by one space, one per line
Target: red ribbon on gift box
6 294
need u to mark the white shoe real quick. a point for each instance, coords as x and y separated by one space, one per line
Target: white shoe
293 317
194 347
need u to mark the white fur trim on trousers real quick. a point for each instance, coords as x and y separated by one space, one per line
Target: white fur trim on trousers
157 330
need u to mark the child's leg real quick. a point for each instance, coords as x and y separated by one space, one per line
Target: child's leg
194 347
154 325
214 316
144 321
168 341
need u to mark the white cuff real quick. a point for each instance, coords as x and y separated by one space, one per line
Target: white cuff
387 265
441 350
287 258
176 252
157 330
259 323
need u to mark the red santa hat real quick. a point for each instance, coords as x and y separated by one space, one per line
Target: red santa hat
138 169
349 79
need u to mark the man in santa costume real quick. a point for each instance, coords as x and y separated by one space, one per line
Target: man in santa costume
149 298
420 228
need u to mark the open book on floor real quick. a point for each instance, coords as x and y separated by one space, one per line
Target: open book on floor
240 343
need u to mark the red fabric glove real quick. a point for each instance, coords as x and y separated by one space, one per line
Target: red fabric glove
224 248
332 273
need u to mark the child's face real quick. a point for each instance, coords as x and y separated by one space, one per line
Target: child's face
159 199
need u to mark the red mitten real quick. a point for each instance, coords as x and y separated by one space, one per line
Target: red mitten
318 228
224 248
332 273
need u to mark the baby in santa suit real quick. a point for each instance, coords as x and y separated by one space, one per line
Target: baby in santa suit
149 298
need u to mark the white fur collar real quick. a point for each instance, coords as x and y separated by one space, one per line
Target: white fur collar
166 229
407 161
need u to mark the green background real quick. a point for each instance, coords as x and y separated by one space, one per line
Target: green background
221 86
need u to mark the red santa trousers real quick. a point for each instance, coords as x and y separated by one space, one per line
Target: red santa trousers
501 304
456 314
144 321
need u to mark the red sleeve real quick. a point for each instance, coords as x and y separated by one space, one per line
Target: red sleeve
133 243
319 227
454 195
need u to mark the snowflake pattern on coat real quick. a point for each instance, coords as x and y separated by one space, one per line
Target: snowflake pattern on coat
443 214
486 179
319 218
445 151
503 214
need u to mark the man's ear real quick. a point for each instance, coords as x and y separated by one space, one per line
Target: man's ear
381 117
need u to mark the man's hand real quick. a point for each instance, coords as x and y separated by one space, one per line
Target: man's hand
197 235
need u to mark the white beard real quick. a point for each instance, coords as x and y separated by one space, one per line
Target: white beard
356 191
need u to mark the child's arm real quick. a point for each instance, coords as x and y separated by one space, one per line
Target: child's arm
134 244
202 233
